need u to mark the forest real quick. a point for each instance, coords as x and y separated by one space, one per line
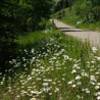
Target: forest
37 61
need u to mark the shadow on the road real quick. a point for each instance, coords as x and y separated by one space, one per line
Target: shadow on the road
71 30
63 27
68 29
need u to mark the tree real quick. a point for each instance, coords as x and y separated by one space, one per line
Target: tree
7 36
18 16
96 9
41 9
88 10
61 4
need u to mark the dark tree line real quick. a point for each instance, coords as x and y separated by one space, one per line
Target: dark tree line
18 16
61 4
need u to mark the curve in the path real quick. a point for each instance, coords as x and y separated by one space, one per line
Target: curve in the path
93 37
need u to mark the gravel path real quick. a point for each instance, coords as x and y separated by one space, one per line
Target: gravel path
93 37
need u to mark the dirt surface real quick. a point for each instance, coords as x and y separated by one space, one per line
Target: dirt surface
91 36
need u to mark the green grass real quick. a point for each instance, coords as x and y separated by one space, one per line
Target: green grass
31 38
60 67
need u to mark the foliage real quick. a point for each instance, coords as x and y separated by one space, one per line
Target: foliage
89 10
7 43
56 69
61 4
19 16
82 14
41 10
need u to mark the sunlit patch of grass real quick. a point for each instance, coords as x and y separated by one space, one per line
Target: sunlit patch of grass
30 38
87 26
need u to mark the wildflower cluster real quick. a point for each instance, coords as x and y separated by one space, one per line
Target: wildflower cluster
51 74
85 79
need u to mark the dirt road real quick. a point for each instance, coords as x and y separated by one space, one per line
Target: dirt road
93 37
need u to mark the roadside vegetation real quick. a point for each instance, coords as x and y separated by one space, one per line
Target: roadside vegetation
37 61
53 67
82 14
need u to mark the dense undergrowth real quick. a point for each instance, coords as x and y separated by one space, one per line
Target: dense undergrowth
49 65
82 14
52 66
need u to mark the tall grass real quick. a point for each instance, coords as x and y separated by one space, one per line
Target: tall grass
59 68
